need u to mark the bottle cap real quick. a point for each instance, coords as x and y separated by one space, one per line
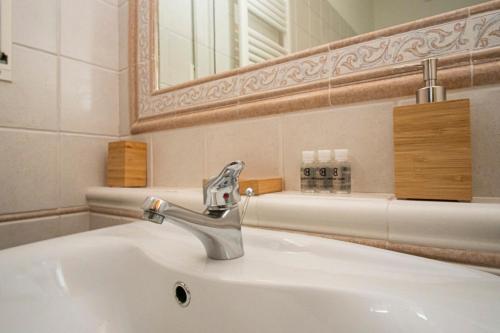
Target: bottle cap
324 155
308 156
341 154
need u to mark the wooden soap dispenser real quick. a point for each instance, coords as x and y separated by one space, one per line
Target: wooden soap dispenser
432 149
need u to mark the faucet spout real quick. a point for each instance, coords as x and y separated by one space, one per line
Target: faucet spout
219 226
219 231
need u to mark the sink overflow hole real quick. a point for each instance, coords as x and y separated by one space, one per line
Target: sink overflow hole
182 294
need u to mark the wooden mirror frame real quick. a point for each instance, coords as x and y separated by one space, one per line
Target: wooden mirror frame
375 65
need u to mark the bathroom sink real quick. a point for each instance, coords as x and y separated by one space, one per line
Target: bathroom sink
122 279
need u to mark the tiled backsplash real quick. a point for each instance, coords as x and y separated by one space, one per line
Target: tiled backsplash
66 103
60 111
271 146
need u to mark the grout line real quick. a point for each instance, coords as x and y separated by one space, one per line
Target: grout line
471 68
108 69
205 152
32 48
55 132
386 213
58 104
283 164
119 125
58 54
281 147
151 159
90 135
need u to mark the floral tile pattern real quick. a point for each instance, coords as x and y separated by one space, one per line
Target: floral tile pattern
486 29
415 45
479 31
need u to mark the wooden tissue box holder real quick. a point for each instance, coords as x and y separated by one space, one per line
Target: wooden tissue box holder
127 164
432 151
262 186
259 186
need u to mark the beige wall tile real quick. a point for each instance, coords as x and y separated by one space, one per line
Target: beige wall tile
303 39
73 223
176 17
28 171
28 231
34 23
485 138
365 129
124 103
89 98
316 23
202 31
114 2
123 36
35 163
83 164
89 32
223 28
98 221
179 157
315 6
302 18
255 141
30 100
176 58
205 61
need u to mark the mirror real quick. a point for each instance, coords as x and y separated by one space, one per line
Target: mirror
198 38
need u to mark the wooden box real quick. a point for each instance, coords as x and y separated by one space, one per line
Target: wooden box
259 186
127 164
262 186
432 151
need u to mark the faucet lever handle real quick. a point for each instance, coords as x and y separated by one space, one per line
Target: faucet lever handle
249 193
223 191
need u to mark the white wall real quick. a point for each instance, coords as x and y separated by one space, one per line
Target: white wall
59 113
358 13
387 13
316 22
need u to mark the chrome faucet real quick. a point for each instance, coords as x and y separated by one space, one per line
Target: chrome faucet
219 226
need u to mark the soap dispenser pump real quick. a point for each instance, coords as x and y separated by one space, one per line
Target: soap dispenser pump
431 92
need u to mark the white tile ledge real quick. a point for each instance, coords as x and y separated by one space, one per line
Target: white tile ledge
467 226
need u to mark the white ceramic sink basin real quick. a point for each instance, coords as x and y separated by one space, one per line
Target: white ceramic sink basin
121 279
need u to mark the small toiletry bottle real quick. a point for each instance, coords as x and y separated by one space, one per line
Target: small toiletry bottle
341 172
324 180
307 171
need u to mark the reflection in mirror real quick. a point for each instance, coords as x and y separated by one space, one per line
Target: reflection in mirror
198 38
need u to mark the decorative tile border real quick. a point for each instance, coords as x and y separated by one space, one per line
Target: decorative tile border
486 30
400 47
435 41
